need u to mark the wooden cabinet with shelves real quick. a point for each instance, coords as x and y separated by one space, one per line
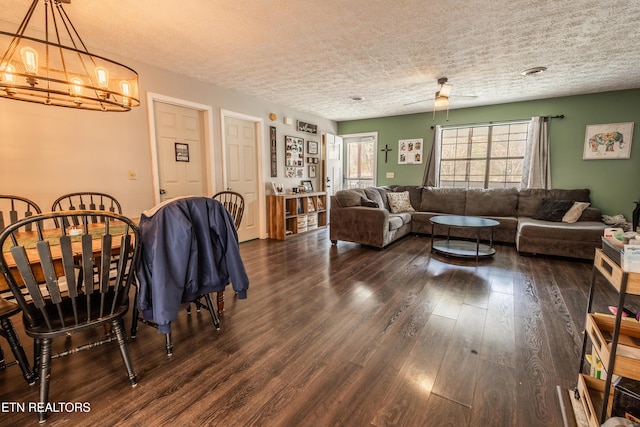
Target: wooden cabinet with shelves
292 214
613 340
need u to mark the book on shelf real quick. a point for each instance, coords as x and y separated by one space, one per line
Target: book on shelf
310 206
320 204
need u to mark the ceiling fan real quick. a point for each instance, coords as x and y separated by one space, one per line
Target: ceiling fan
441 97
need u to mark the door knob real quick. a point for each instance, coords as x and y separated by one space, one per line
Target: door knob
163 191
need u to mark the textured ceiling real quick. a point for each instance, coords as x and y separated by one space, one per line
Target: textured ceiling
315 55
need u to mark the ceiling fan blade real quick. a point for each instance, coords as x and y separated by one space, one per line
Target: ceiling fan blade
463 96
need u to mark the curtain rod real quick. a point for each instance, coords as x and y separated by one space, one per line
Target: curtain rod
560 116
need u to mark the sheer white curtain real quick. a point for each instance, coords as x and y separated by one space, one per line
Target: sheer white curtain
536 167
432 170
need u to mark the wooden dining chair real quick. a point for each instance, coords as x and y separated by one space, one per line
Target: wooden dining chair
87 201
12 209
41 271
7 310
234 203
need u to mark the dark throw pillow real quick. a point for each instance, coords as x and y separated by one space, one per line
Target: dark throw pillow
552 210
369 203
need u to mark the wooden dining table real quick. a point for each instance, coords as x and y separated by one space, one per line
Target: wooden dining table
28 239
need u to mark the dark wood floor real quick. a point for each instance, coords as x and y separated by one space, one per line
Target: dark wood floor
346 336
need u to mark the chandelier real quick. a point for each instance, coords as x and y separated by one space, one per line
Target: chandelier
59 70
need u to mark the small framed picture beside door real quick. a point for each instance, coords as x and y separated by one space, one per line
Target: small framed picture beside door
312 147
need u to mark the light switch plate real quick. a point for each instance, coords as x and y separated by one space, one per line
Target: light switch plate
391 175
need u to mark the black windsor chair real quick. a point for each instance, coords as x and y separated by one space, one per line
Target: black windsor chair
12 209
234 203
41 270
87 201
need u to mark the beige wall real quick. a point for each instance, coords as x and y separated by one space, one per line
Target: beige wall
48 151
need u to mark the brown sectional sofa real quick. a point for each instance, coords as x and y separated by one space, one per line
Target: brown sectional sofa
364 216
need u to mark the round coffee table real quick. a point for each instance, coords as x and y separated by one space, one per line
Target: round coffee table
463 248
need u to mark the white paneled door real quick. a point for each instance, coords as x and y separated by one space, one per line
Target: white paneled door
180 150
334 165
242 172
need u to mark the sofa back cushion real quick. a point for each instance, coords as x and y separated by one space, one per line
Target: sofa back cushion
591 214
350 198
492 202
579 195
443 200
378 195
529 200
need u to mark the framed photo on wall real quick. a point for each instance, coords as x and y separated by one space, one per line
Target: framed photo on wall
410 151
308 186
182 152
312 171
608 141
274 151
294 151
312 147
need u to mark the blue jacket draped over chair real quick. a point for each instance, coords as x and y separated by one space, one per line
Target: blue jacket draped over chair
189 248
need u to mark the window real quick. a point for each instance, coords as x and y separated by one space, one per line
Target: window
360 160
484 156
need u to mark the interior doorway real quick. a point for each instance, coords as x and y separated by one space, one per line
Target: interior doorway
181 146
242 147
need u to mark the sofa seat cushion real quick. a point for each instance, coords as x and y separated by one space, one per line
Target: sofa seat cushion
581 231
397 220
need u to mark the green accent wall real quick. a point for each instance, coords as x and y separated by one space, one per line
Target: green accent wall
614 184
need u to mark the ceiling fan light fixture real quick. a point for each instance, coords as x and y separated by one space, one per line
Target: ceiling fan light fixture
440 101
533 71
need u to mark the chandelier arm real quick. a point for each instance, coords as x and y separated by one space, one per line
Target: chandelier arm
67 23
27 18
13 46
68 26
46 37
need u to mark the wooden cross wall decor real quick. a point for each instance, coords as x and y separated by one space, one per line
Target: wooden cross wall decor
386 150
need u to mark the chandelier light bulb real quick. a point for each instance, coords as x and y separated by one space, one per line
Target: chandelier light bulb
75 89
103 77
8 73
126 91
30 60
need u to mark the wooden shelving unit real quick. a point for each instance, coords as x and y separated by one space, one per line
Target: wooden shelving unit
292 214
607 335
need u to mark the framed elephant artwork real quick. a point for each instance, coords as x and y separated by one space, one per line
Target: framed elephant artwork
608 141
